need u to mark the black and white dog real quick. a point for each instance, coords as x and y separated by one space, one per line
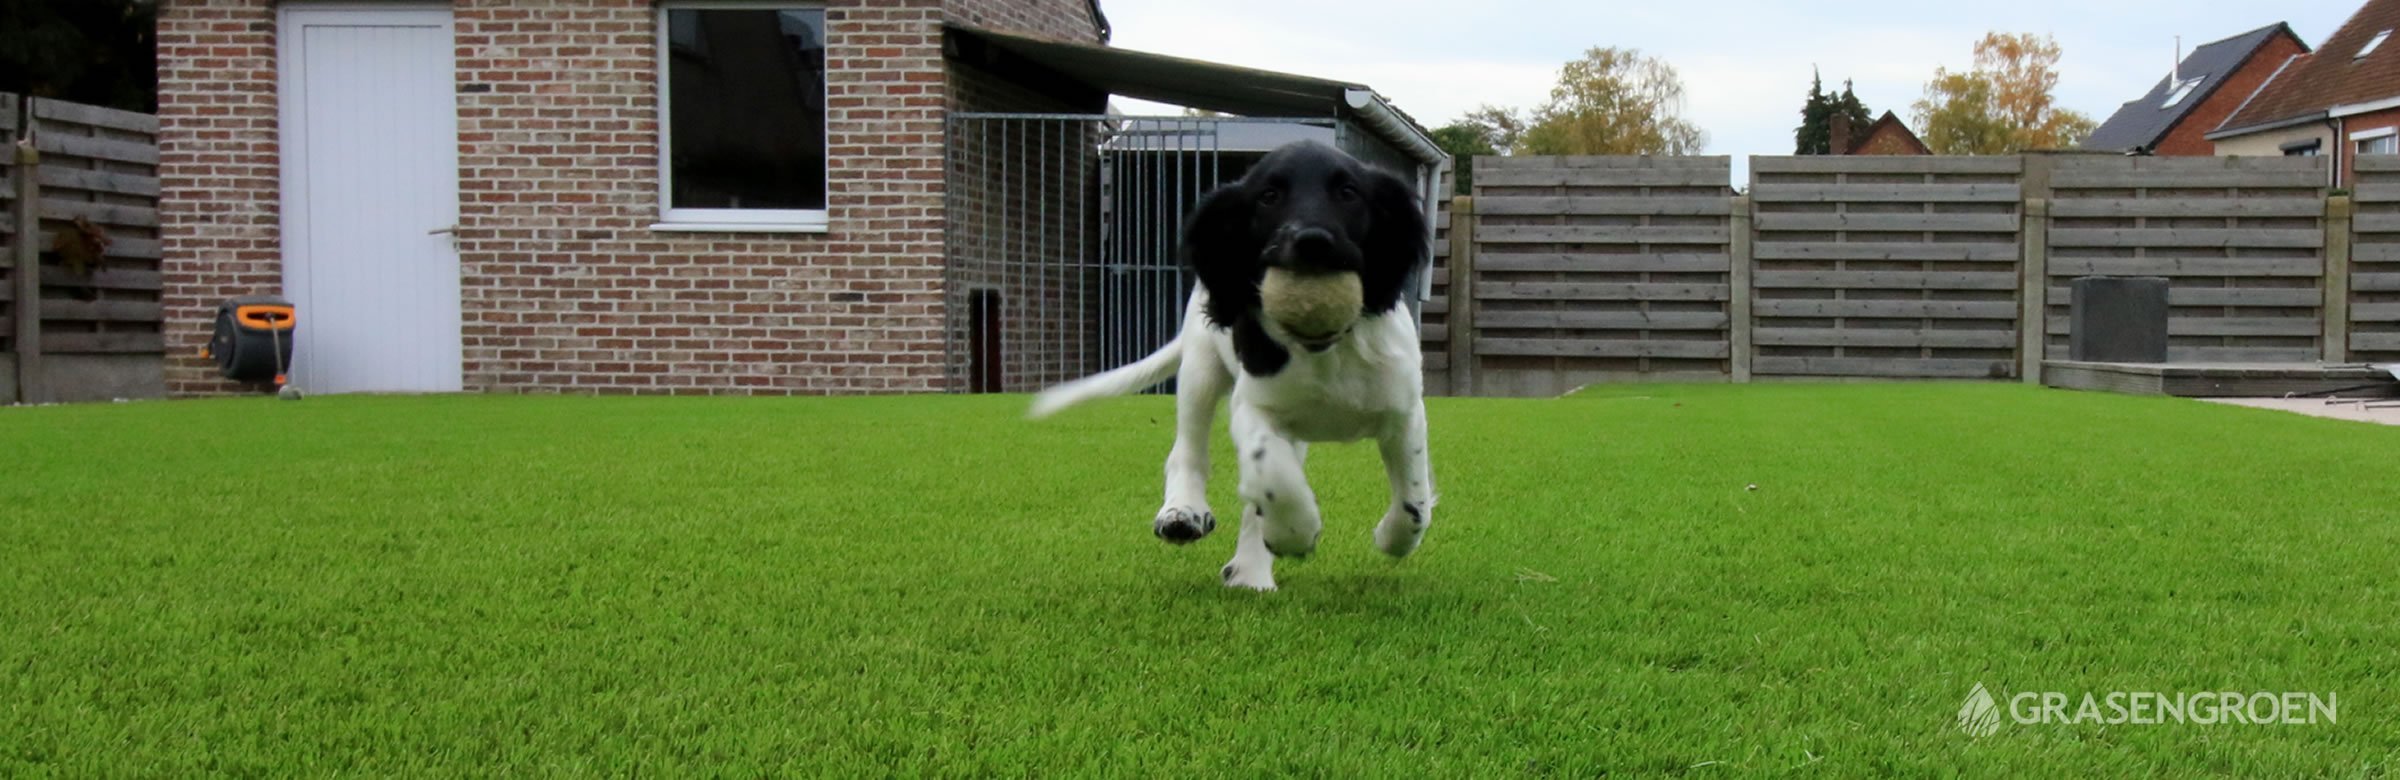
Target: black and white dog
1304 209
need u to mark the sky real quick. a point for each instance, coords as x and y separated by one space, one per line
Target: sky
1744 63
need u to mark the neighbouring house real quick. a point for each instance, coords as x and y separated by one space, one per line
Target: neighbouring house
2341 100
2175 116
666 196
1887 136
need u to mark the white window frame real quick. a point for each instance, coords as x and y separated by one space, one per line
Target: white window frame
2359 140
2372 45
2182 90
703 220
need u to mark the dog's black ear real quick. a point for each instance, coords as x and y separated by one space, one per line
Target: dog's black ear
1397 242
1218 247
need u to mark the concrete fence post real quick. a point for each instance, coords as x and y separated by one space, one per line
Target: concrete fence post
1741 292
2033 286
1462 296
2338 220
28 273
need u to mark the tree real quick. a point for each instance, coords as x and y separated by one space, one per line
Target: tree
1500 127
1956 117
1464 141
2003 105
87 51
1613 101
1815 134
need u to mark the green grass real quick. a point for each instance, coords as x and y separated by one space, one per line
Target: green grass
576 586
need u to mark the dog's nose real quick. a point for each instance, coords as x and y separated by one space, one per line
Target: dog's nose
1312 244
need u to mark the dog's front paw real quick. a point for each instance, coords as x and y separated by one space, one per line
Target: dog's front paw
1183 525
1401 529
1254 576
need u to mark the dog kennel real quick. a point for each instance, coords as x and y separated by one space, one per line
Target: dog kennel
1062 228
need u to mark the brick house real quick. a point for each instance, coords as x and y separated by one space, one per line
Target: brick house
1887 136
2341 100
2175 116
626 196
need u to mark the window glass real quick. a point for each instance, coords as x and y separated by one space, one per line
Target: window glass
745 108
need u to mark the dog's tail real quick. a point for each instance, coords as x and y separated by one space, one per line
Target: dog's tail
1124 379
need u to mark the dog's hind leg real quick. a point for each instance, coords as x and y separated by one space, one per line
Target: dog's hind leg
1410 469
1199 384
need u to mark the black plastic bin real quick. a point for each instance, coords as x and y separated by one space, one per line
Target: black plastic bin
2118 319
253 339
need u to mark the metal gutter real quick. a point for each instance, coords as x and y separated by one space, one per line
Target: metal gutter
1379 115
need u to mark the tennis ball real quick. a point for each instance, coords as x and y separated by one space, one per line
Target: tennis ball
1311 305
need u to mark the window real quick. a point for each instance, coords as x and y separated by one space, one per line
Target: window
2303 149
2383 141
742 116
2372 46
2182 90
2363 51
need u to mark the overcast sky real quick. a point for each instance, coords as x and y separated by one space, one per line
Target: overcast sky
1745 63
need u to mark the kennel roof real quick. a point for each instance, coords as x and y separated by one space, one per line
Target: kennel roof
1213 86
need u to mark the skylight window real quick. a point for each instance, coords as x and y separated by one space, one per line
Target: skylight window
2363 51
2182 90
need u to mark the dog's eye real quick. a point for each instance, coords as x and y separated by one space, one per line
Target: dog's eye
1346 193
1270 197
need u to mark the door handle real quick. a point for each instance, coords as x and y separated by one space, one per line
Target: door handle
451 230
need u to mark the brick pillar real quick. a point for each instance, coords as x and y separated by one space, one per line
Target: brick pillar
217 172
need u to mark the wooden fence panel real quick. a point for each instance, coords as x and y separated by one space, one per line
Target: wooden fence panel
1902 267
2241 241
100 165
1590 269
8 237
2375 261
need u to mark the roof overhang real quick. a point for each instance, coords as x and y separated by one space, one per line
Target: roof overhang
1213 86
2354 109
2234 132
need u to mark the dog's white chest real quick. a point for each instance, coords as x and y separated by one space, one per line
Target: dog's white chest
1356 390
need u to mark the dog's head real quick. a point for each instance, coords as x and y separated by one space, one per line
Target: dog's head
1310 209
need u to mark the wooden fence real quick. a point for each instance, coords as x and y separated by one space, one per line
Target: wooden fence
82 253
1885 266
2240 240
1591 269
2373 295
1578 270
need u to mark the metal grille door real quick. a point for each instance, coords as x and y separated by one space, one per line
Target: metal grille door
1062 235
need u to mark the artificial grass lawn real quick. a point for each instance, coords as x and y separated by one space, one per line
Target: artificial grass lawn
452 585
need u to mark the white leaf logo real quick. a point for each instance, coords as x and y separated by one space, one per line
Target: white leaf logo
1979 717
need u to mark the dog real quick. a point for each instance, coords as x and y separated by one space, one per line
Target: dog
1310 209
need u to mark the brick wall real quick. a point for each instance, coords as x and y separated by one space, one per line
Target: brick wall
218 208
1069 20
2188 136
2353 125
565 287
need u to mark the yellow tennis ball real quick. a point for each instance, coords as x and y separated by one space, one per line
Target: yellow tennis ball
1311 305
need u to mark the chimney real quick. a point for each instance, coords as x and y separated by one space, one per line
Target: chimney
2175 71
1837 134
